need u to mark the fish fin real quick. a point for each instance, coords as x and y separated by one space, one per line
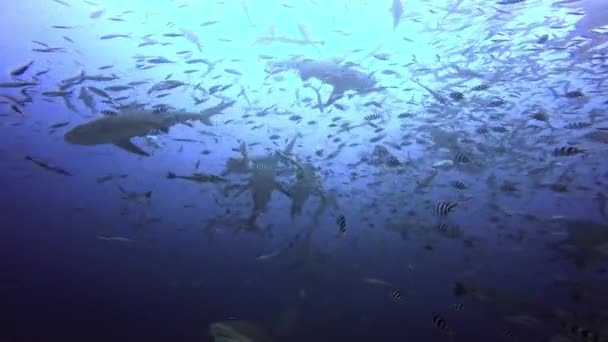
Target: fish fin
241 190
128 146
282 189
336 94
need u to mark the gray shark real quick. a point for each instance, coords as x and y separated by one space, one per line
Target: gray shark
341 77
134 122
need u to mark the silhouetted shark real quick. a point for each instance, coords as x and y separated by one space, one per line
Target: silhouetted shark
134 122
341 77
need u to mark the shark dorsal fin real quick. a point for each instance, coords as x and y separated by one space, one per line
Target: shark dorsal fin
128 146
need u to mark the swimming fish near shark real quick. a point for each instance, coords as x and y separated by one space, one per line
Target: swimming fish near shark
129 123
343 78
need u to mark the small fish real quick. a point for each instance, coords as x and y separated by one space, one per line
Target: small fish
574 94
48 50
209 23
104 179
59 125
341 222
108 112
57 93
542 39
456 96
439 323
198 177
112 36
134 196
295 117
17 84
48 167
577 125
264 257
63 3
160 60
97 14
376 281
481 87
443 227
160 108
21 69
339 106
16 109
442 209
393 162
395 295
540 116
461 159
459 307
113 238
233 72
373 103
396 11
459 185
117 88
499 129
371 117
567 151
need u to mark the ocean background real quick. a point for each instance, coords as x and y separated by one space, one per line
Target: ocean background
181 263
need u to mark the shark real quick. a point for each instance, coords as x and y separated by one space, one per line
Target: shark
306 184
129 123
262 181
341 77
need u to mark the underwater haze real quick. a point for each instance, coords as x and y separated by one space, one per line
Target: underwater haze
304 170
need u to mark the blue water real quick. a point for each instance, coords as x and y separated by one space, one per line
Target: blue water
78 262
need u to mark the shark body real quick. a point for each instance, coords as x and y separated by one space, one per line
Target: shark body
341 77
130 123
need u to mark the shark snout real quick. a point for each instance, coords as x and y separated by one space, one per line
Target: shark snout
70 137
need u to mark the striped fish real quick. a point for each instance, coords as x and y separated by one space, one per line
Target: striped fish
341 222
393 162
439 323
461 158
374 116
567 151
577 125
458 185
442 209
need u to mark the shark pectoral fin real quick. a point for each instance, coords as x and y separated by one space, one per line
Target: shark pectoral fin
281 189
128 146
335 95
